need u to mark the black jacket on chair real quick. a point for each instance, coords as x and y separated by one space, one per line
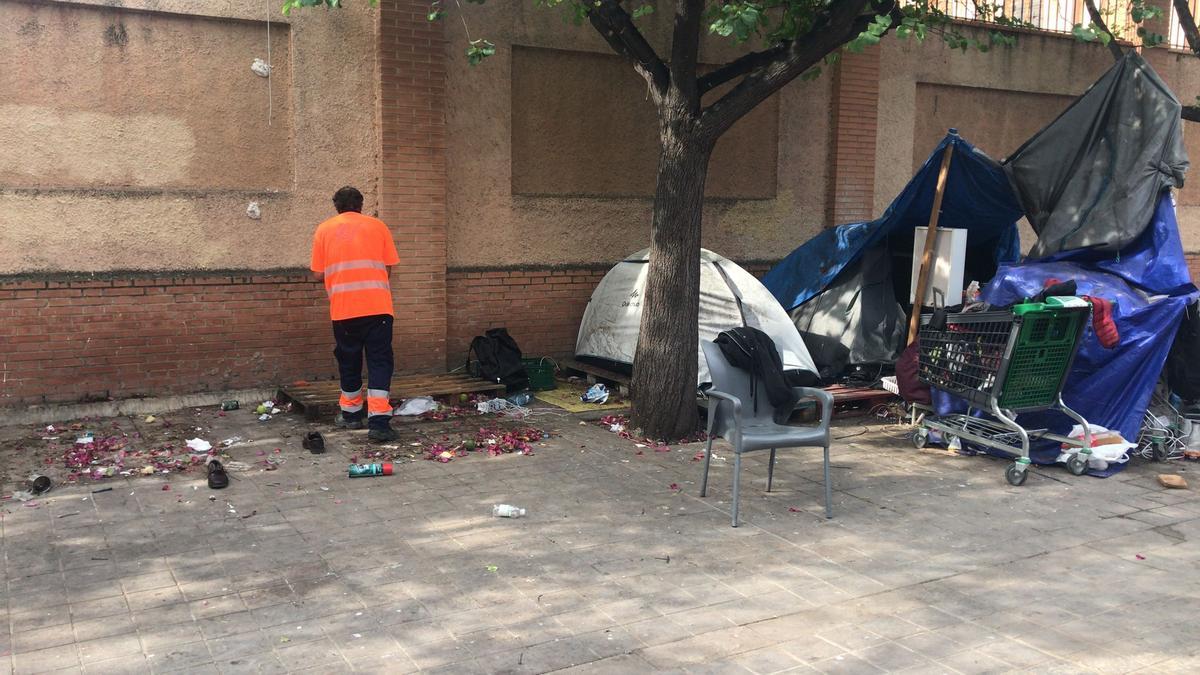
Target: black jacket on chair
754 351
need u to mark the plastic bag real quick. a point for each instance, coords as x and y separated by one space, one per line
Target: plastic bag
417 406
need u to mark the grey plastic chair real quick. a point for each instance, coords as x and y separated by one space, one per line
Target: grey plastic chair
732 415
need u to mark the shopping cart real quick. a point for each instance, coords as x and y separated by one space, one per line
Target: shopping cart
1005 363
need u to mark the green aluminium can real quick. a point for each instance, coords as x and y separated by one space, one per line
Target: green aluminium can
229 405
365 470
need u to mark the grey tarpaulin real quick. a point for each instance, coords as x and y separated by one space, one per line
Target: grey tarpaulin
856 319
1091 178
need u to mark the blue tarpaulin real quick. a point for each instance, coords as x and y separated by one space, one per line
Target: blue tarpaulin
1149 285
977 198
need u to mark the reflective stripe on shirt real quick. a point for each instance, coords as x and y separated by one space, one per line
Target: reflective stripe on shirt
354 265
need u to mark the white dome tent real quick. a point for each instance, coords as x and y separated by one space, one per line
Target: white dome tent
729 297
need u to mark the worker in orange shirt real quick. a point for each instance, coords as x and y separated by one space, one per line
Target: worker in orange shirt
354 253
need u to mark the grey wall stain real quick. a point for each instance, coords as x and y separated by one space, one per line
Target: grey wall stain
116 36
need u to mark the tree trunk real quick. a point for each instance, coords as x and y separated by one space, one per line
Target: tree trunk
664 366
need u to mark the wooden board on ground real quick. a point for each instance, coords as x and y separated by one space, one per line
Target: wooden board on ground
597 374
318 400
566 396
857 400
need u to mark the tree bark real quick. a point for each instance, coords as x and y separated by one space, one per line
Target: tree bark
664 380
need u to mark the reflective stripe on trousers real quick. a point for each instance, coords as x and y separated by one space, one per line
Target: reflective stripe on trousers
351 401
378 402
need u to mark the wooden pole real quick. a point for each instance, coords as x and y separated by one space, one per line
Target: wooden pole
930 238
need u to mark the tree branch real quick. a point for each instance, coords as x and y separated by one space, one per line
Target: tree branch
740 66
841 22
1094 12
685 51
616 27
1188 23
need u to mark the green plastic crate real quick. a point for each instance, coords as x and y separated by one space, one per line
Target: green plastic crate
541 373
1044 351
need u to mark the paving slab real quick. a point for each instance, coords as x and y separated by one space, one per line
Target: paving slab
932 563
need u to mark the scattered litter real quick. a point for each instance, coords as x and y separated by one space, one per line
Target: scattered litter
39 484
251 514
31 504
199 445
22 495
366 470
507 511
597 393
231 404
674 486
356 635
50 429
792 509
67 515
417 406
85 439
324 489
95 558
107 489
1139 556
231 441
236 466
151 419
253 210
166 486
492 568
264 417
1173 481
698 456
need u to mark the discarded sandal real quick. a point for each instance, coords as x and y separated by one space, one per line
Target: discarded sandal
314 442
217 478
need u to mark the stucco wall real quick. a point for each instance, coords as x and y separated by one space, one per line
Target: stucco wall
490 226
133 134
997 99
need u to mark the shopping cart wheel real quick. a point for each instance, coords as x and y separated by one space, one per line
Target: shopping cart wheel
920 436
1015 476
1077 464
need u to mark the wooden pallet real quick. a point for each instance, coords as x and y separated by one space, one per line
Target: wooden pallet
857 400
319 400
597 374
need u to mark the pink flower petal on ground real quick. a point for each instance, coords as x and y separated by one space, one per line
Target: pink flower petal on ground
793 509
166 486
1139 556
698 456
675 487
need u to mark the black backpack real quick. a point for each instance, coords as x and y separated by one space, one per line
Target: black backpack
498 358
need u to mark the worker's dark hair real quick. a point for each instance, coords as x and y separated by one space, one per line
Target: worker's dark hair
348 199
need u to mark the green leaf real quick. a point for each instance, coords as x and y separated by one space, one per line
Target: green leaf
479 50
643 11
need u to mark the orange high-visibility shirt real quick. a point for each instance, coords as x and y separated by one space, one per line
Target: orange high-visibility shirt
354 251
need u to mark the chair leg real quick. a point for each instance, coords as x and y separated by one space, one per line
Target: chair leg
707 461
771 470
828 491
737 474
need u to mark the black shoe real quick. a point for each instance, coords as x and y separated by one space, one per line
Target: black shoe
217 478
382 434
314 442
343 422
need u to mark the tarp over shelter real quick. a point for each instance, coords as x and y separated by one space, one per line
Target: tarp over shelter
730 297
977 198
1092 177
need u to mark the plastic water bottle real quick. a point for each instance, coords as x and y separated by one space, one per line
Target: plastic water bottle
507 511
520 398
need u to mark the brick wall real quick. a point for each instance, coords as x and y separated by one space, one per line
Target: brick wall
66 341
412 183
855 120
541 308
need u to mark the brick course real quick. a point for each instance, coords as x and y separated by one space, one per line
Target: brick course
72 340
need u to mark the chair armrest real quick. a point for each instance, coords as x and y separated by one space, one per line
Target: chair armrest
824 397
734 401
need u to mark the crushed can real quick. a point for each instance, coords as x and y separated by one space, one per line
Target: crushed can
365 470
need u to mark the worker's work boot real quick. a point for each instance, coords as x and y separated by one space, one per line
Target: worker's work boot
348 421
382 433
